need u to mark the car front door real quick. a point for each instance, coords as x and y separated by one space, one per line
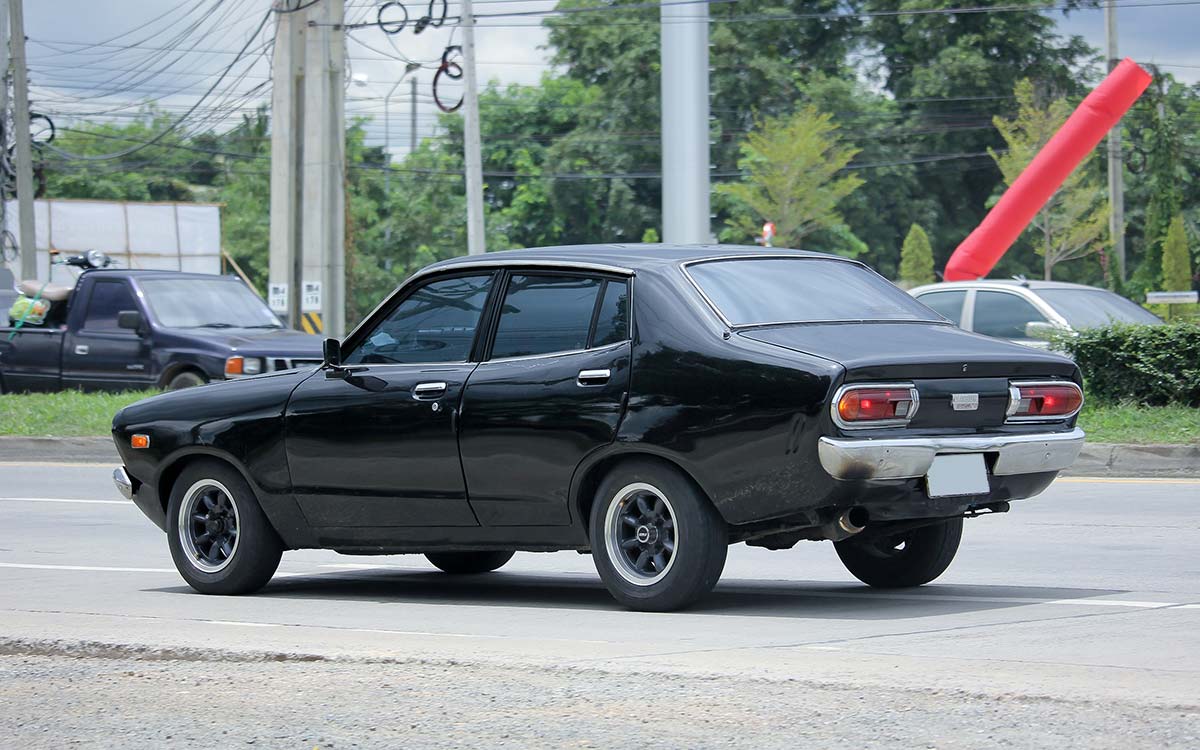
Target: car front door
375 445
101 355
1005 315
551 391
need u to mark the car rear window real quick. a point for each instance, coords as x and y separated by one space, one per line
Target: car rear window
751 291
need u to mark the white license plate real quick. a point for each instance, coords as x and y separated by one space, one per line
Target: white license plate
957 474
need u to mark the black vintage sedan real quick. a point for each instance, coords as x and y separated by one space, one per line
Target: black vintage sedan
648 404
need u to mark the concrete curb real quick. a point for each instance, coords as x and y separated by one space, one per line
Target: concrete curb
1095 460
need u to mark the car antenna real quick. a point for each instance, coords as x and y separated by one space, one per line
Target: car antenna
1020 279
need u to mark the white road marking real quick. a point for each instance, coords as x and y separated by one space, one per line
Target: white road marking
72 464
243 624
1127 480
89 568
65 500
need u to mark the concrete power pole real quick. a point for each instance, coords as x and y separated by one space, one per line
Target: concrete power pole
308 164
1116 173
4 135
476 241
412 115
684 101
24 164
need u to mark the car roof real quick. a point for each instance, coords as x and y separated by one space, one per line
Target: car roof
631 257
148 273
1033 284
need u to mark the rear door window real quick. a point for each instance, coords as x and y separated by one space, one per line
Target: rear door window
1003 315
612 314
948 304
542 314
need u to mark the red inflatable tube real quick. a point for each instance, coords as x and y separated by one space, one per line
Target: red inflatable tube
1086 126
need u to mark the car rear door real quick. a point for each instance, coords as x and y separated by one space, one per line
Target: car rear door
376 446
551 390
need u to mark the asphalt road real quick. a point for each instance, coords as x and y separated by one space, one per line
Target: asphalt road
1073 621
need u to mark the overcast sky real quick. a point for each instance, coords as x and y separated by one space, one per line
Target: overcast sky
154 57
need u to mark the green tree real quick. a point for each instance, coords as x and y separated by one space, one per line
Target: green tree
793 167
1074 221
1176 259
916 258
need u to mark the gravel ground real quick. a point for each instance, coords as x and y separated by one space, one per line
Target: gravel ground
84 698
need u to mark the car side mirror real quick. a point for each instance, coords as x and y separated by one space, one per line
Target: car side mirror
1040 330
130 320
331 352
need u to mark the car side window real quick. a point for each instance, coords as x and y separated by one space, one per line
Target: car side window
436 323
544 313
108 298
948 304
1003 315
612 316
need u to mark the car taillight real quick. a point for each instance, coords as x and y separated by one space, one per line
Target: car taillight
1029 402
875 405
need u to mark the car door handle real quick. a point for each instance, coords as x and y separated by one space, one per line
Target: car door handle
593 377
429 390
81 349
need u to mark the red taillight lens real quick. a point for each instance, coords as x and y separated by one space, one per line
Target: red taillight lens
1044 401
876 404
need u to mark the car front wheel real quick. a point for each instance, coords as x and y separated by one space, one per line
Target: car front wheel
657 542
910 558
219 537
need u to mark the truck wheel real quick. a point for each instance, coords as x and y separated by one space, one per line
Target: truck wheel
185 379
220 539
463 563
657 542
911 558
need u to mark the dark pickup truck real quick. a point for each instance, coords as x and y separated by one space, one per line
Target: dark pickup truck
123 330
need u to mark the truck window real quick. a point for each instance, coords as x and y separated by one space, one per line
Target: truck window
108 298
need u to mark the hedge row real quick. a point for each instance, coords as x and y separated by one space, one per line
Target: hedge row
1154 365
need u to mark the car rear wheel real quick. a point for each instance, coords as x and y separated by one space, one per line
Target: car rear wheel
910 558
464 563
657 542
186 379
219 537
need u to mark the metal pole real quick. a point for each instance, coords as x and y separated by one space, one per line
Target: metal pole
1116 174
24 144
476 242
684 102
3 99
412 126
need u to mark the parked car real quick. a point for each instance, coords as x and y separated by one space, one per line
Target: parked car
649 404
119 330
1028 312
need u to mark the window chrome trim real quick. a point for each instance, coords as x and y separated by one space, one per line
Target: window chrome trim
1014 399
837 397
551 355
775 256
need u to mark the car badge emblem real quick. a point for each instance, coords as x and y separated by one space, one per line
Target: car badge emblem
964 401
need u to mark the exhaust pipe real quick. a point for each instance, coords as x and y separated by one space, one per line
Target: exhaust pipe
847 524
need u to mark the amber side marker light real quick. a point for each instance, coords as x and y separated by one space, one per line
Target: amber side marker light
140 441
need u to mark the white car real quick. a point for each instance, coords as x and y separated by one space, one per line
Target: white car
1027 312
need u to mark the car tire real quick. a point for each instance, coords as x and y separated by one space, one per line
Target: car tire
466 563
657 541
911 558
185 379
220 539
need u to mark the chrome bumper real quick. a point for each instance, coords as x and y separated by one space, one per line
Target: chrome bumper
124 485
906 458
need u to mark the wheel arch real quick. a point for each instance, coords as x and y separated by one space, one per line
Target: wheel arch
594 469
178 368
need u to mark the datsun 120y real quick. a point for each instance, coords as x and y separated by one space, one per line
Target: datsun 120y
651 405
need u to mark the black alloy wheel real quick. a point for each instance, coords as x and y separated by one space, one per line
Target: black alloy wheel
657 541
220 539
909 558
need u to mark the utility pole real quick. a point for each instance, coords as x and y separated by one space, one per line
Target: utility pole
24 144
684 101
308 143
1116 173
4 135
476 241
412 113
